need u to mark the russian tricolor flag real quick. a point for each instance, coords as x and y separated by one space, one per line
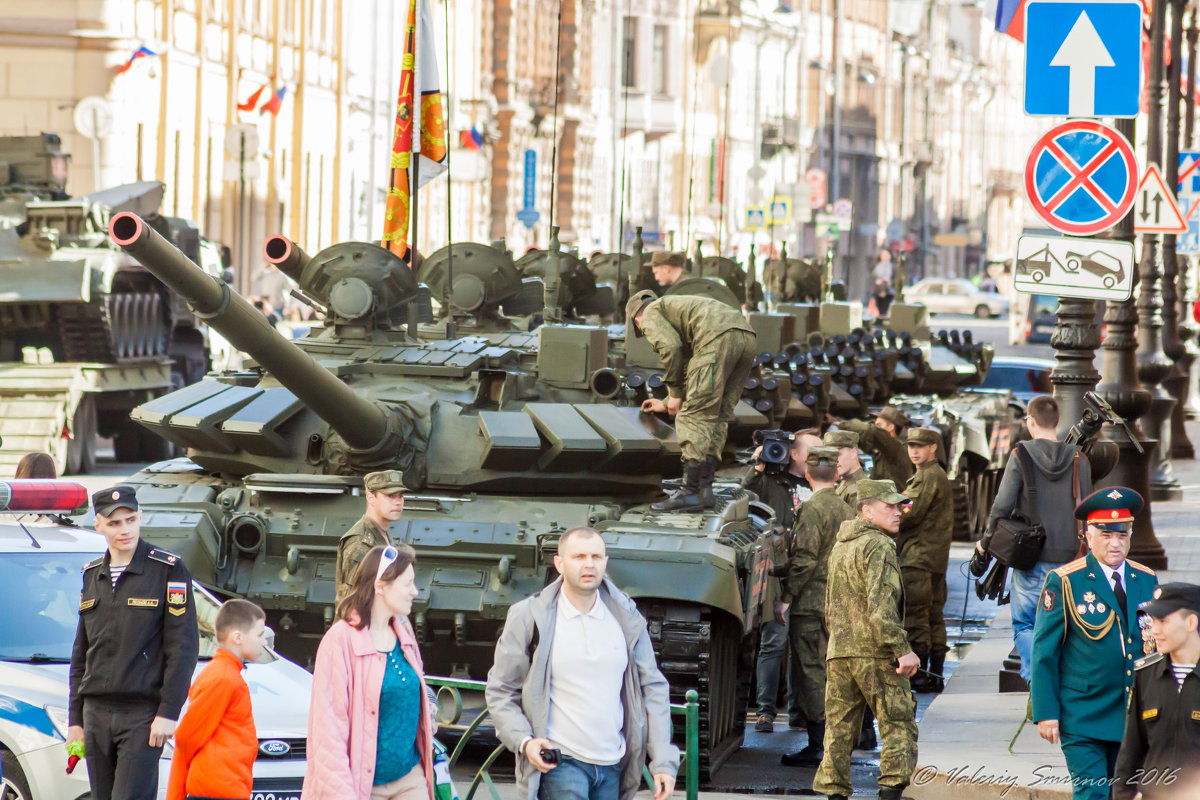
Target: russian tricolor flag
1010 17
141 52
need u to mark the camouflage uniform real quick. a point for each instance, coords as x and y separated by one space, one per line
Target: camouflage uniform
707 350
863 613
847 488
924 548
891 462
353 548
812 538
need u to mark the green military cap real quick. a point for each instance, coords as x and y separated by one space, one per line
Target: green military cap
894 415
1110 509
884 491
636 304
668 260
923 436
821 457
389 481
841 439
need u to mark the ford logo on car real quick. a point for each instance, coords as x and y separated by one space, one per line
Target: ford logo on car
275 747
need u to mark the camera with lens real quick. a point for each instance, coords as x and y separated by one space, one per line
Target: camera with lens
776 452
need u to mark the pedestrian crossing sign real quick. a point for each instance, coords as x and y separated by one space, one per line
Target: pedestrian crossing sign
755 218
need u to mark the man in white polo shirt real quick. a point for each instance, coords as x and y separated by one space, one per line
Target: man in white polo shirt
575 691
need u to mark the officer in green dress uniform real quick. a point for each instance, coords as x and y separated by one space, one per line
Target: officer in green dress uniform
1086 638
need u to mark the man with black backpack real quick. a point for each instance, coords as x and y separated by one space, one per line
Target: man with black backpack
1042 483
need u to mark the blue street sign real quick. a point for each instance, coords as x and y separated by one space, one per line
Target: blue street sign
1072 49
1188 195
528 217
755 218
530 178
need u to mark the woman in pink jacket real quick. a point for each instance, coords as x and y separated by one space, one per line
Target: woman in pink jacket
370 734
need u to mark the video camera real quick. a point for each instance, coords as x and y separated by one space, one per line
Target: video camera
776 449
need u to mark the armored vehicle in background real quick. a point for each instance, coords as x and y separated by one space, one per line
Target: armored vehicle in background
31 168
86 333
502 448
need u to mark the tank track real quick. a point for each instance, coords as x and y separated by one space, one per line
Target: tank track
114 328
702 648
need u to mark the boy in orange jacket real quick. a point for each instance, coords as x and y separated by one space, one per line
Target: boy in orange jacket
215 743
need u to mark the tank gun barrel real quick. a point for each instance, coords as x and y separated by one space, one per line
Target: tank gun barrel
360 423
286 255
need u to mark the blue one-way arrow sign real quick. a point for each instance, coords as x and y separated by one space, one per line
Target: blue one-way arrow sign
1072 49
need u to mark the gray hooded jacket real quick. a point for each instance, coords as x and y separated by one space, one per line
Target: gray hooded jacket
1053 468
518 691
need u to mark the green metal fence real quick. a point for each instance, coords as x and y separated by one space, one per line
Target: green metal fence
450 716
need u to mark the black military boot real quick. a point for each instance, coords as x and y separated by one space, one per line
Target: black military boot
687 499
708 472
811 754
936 665
867 739
892 792
920 682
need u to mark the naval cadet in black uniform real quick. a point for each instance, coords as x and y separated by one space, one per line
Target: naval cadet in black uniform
135 652
1160 754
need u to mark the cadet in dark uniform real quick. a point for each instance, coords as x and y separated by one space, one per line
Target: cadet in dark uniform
885 442
135 652
1085 639
707 350
1160 754
926 529
385 504
813 535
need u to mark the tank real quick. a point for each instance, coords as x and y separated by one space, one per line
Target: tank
78 300
503 449
31 168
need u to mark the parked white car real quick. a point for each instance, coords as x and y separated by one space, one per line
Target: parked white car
956 296
39 609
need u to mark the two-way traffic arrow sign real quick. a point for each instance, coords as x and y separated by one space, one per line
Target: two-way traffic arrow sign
1155 210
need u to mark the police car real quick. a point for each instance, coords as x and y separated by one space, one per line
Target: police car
41 561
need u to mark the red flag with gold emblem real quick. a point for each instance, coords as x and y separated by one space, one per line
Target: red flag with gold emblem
419 131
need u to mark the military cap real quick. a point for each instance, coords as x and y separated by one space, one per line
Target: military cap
821 457
1113 507
389 481
635 304
894 415
1170 597
668 260
106 501
841 439
923 436
884 491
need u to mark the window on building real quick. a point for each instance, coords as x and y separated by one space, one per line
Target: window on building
629 54
661 72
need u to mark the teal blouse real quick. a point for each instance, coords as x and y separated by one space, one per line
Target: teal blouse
399 715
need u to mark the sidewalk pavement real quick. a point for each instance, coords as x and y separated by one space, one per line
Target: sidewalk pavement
965 732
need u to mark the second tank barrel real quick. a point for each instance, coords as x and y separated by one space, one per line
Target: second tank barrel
362 424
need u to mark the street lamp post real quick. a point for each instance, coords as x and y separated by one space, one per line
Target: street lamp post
1121 389
1174 277
1153 363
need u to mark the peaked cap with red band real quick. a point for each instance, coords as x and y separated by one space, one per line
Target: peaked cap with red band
1114 505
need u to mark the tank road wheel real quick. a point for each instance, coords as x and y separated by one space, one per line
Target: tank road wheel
701 648
81 447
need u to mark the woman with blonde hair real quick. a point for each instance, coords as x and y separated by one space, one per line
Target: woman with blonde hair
370 730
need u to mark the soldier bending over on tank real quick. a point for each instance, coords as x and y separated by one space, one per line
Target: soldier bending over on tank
869 660
707 350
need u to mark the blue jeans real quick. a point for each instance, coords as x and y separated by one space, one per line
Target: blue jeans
573 779
772 647
1026 589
